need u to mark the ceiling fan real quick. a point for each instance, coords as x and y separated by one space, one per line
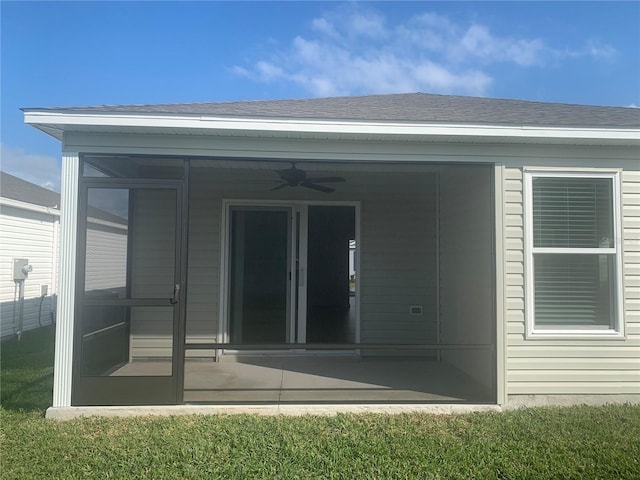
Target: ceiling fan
293 177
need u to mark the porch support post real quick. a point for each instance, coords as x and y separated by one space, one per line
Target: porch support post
500 307
63 362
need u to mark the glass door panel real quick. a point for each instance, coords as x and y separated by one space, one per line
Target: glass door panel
330 274
259 275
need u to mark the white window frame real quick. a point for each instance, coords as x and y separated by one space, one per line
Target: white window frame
617 298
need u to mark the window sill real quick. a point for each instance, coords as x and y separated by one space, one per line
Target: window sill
575 335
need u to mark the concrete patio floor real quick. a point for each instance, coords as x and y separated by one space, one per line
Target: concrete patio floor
299 379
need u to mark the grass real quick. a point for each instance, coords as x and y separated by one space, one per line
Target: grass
26 372
578 442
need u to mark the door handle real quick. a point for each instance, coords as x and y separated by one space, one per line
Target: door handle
176 295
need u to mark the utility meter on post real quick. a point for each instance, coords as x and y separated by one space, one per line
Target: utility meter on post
21 269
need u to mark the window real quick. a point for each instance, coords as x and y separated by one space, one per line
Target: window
573 254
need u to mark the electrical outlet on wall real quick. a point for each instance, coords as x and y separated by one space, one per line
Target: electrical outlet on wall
44 290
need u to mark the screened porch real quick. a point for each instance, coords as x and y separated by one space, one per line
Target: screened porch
224 281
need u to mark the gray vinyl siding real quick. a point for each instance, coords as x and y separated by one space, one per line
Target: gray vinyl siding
152 272
466 273
397 248
203 271
26 234
571 366
398 263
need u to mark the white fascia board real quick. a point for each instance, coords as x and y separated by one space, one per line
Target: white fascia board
302 126
31 207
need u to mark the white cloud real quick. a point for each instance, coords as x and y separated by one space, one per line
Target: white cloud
350 23
477 41
377 71
353 50
367 24
473 43
268 71
323 26
600 50
42 170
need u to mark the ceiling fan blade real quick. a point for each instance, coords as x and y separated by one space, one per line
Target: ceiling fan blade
320 188
282 185
326 179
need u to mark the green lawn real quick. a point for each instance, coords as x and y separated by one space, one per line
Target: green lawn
578 442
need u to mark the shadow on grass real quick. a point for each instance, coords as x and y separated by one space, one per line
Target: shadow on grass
26 371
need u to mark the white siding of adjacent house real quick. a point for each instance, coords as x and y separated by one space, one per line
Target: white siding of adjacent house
106 266
27 234
571 366
397 247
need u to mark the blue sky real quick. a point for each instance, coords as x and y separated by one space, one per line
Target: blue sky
95 53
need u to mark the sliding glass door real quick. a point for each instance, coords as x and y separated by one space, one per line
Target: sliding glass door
291 275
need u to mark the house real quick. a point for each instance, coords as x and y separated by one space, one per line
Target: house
29 235
496 248
29 229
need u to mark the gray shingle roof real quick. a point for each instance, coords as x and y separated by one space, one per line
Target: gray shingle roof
17 189
410 107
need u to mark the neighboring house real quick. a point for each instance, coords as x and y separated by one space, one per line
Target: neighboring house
29 230
497 252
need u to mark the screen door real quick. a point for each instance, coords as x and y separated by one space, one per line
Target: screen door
129 294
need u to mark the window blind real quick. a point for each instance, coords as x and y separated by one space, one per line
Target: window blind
572 212
573 290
